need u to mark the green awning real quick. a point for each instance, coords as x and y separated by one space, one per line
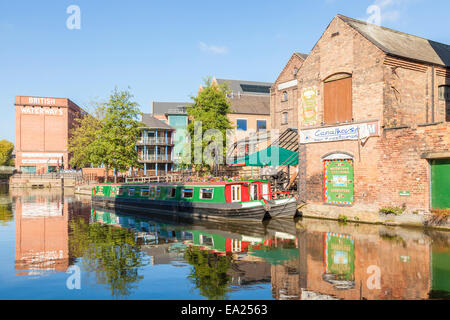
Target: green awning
263 158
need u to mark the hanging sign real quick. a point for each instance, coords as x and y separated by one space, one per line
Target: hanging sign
309 106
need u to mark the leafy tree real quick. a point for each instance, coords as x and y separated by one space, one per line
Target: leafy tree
116 142
109 137
210 107
81 143
6 149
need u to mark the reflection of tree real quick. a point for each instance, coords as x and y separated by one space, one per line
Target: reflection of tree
111 252
209 273
6 214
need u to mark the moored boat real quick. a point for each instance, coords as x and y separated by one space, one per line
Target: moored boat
251 199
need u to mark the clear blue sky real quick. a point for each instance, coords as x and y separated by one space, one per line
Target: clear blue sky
163 49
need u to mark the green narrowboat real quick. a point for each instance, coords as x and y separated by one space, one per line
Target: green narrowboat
207 200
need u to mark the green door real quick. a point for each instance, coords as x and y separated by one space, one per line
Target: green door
440 184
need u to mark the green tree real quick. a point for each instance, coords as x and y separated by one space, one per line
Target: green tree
109 137
210 107
81 142
6 149
116 141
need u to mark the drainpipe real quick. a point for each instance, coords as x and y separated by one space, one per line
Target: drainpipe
432 94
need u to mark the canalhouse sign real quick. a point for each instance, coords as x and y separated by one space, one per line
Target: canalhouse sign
338 133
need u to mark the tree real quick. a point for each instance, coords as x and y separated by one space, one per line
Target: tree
211 107
109 137
81 143
6 149
116 141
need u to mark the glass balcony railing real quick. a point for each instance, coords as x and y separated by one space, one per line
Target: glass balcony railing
152 141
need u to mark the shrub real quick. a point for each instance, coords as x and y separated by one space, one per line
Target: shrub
392 210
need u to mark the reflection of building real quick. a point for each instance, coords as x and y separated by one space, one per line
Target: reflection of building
356 261
42 133
42 234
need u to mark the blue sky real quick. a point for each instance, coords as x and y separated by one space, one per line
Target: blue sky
162 50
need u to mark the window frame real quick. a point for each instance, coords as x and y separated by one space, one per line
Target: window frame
246 124
257 128
131 192
285 96
172 192
202 192
239 193
145 190
184 190
444 92
283 122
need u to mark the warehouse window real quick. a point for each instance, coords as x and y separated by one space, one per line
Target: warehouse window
444 93
285 118
338 99
285 96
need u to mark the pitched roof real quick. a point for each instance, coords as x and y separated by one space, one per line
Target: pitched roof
153 123
301 55
250 104
402 44
165 107
247 87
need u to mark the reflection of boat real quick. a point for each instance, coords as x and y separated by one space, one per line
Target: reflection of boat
205 200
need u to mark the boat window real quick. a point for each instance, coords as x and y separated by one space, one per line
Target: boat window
158 192
265 191
236 193
171 192
120 191
152 192
254 192
131 192
145 192
206 194
188 193
206 241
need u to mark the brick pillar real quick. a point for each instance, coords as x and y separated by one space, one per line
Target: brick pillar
301 187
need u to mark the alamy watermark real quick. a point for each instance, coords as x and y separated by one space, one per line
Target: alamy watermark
73 282
73 22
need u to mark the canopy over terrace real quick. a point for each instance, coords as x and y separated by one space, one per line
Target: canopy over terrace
272 156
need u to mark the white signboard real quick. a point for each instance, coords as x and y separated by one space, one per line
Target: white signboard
41 155
42 110
33 161
347 132
288 84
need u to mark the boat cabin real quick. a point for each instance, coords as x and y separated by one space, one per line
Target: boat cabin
247 191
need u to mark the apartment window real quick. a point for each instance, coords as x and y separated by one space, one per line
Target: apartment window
285 96
261 125
171 192
338 99
206 194
188 193
241 124
285 118
444 93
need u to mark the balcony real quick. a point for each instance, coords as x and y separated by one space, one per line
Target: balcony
154 142
151 158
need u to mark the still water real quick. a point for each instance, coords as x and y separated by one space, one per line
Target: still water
54 245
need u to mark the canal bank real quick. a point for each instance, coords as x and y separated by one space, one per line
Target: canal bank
360 215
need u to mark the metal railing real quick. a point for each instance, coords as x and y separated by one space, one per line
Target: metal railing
152 141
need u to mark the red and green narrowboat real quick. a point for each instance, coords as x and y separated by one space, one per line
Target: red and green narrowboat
251 199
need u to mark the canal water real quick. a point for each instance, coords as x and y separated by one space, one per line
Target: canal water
54 245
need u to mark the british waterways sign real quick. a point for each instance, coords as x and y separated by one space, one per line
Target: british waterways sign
346 132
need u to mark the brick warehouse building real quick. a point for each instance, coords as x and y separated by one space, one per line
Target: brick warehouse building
42 133
377 130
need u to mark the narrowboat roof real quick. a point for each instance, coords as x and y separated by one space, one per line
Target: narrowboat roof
190 184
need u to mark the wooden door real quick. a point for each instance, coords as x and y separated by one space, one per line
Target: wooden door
338 101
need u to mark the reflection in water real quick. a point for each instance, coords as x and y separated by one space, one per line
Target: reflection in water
307 259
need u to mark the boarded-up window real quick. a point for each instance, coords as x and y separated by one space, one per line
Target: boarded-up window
338 99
